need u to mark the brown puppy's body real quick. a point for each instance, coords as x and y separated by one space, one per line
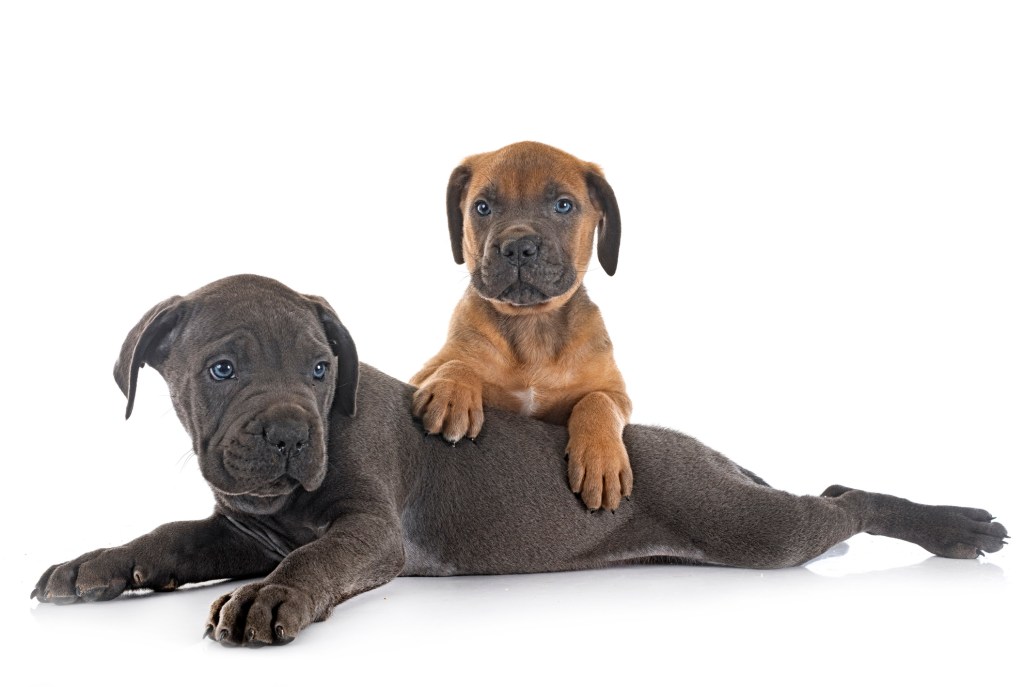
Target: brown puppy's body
525 337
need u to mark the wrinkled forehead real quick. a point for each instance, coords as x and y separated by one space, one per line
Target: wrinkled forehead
263 322
528 174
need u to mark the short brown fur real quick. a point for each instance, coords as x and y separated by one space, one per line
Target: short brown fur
549 357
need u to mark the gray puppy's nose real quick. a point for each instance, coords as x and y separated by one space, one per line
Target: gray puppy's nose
521 251
286 436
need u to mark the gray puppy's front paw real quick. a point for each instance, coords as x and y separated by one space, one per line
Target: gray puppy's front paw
99 575
259 614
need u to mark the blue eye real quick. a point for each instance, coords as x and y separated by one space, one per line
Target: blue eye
482 208
320 370
563 205
221 370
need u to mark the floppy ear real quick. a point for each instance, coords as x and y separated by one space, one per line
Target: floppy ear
610 227
147 342
456 187
341 343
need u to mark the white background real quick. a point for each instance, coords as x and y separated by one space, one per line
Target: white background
820 276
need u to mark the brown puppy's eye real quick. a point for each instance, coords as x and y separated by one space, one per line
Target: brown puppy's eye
320 370
563 205
482 208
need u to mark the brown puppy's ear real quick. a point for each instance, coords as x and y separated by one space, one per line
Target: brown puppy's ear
347 382
457 183
148 342
610 227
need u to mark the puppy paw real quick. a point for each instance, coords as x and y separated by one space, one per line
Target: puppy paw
599 470
99 575
948 531
955 532
259 614
449 408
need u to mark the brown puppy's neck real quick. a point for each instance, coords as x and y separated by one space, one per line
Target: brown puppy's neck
538 336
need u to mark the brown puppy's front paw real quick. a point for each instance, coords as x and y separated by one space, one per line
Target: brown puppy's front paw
259 614
449 408
599 470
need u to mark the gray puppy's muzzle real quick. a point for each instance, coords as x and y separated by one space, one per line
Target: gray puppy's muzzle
268 450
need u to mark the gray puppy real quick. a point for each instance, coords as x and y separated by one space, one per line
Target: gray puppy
326 502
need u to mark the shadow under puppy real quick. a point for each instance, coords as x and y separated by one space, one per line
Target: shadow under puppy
327 502
525 337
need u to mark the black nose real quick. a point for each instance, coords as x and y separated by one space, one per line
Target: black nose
521 251
287 436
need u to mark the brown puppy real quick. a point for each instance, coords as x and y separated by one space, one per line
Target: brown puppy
525 337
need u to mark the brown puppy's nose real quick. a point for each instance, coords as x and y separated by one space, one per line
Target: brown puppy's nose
521 251
287 436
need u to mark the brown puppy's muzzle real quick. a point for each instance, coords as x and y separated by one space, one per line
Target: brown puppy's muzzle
521 267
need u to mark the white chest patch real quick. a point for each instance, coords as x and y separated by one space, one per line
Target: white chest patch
527 401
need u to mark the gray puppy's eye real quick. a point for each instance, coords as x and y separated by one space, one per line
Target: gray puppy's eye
482 208
221 370
563 205
320 370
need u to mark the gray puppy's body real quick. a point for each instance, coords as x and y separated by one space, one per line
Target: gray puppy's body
327 502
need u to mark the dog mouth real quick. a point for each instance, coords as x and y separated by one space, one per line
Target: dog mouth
522 288
273 489
522 294
264 499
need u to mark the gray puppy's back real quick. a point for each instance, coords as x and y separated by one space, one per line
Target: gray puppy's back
502 504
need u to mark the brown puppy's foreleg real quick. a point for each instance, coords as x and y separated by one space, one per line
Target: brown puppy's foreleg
450 401
598 463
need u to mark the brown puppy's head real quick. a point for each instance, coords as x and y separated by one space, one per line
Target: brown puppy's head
523 219
253 369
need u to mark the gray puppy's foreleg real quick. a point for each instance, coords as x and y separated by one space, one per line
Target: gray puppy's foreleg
171 555
358 553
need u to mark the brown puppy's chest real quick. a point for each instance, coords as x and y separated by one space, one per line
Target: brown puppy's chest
548 393
541 365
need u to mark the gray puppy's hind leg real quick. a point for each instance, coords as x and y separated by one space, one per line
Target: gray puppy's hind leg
757 527
948 531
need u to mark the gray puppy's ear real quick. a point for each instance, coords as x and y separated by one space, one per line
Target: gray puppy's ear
347 382
609 228
457 183
147 342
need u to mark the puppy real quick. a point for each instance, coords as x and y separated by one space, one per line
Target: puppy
323 502
525 337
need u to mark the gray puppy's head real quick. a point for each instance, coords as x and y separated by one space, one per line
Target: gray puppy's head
253 369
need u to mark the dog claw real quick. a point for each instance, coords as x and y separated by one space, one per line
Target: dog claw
208 632
222 635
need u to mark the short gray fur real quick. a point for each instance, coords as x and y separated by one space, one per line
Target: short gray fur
328 491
